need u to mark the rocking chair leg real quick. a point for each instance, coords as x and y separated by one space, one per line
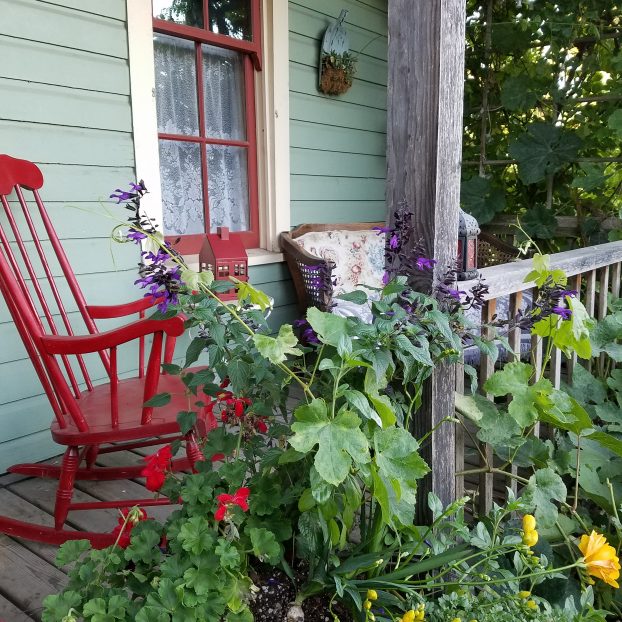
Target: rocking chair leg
65 486
192 449
91 455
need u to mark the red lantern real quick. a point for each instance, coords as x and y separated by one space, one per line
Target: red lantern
226 257
468 230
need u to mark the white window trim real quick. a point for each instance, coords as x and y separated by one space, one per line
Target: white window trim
272 121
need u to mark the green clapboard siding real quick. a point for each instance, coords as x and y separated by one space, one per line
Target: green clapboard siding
338 144
64 79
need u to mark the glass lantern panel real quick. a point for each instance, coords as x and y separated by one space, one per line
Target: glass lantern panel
471 254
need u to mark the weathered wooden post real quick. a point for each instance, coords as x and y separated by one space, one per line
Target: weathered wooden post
424 144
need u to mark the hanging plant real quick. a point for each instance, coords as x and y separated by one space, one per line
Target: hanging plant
337 65
337 72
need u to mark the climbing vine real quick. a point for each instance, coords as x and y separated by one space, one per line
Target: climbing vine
543 113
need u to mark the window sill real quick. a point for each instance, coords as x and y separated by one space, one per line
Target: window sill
256 257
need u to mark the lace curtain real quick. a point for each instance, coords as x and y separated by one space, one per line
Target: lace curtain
224 118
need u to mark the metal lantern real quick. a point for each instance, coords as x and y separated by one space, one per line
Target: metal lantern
225 256
468 230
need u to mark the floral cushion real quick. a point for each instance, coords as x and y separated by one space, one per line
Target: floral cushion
358 256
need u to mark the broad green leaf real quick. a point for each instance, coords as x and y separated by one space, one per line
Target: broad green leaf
469 405
357 296
607 440
71 551
497 428
384 408
256 297
229 555
196 347
276 349
573 335
481 199
265 546
360 403
614 122
606 335
329 327
544 486
542 150
57 606
239 373
340 440
397 456
186 420
586 387
540 222
161 399
196 535
517 93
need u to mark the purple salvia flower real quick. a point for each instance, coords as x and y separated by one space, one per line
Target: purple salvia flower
386 277
380 230
568 292
394 242
139 187
122 195
423 263
564 313
135 236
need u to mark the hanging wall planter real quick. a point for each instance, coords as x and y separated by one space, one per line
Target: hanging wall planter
337 65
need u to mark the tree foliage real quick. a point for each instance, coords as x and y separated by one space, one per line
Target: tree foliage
543 126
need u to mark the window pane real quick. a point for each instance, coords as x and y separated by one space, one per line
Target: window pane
223 90
176 85
187 12
231 18
182 190
228 187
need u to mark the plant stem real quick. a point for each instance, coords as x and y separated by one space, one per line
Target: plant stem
576 479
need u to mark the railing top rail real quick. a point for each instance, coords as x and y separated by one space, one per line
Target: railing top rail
509 278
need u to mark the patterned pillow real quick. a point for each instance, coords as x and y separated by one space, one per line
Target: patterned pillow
358 256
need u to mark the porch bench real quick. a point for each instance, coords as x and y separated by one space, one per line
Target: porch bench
327 260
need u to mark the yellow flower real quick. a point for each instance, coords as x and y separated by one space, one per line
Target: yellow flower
409 616
367 605
524 594
600 558
532 604
529 523
457 620
530 538
372 595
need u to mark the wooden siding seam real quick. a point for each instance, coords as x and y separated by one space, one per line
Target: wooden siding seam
65 86
64 47
79 127
80 10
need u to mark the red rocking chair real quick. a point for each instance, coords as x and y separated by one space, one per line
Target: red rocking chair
89 420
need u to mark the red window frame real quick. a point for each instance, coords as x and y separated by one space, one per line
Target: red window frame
251 50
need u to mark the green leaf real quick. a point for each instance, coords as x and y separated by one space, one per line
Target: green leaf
256 297
277 349
614 122
161 399
586 387
573 335
566 413
606 440
57 606
542 150
239 373
358 401
71 551
339 440
397 456
469 406
517 93
265 546
330 328
540 222
358 297
606 335
384 408
497 428
592 177
186 420
196 347
481 199
196 535
545 485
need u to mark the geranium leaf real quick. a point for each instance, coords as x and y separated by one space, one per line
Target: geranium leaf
330 328
276 349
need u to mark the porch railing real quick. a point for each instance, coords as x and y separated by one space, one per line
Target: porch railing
595 272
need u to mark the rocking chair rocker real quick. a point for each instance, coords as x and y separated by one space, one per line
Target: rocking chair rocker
89 419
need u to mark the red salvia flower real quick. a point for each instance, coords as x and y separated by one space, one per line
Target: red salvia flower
155 471
225 501
261 425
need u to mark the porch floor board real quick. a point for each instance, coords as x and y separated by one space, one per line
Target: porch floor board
27 570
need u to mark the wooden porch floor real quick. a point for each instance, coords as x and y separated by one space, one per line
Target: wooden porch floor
27 570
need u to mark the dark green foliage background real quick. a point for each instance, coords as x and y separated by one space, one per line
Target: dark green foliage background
543 115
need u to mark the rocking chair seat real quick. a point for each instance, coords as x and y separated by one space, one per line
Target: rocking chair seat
95 406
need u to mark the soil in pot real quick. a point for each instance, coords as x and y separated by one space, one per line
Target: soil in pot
276 594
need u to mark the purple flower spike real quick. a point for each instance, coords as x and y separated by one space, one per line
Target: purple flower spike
121 195
380 230
568 292
564 313
135 236
139 187
455 293
386 278
423 263
394 242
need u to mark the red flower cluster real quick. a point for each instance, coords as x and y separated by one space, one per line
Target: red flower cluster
240 498
155 471
127 520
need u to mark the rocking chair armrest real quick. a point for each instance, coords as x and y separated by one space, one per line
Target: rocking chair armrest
105 312
84 344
